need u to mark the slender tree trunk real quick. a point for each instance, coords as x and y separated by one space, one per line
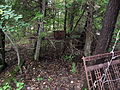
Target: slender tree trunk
79 18
72 15
65 18
65 26
88 30
108 26
54 18
38 44
2 50
77 22
40 29
71 21
58 24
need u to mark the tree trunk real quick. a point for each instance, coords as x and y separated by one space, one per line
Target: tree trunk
2 50
65 18
40 29
71 21
71 15
79 19
38 44
88 30
108 26
54 27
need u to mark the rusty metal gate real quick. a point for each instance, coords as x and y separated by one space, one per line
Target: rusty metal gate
95 67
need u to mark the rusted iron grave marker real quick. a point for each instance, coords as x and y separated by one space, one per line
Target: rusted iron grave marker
95 67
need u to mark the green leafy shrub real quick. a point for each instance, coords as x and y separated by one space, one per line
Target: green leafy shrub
8 18
40 78
68 57
74 68
6 86
19 85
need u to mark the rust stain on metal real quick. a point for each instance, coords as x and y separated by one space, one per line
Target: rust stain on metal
95 71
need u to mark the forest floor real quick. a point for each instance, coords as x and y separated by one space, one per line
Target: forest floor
47 74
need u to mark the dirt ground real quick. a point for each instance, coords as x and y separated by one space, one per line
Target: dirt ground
50 73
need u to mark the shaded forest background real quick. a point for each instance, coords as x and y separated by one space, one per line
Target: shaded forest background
49 30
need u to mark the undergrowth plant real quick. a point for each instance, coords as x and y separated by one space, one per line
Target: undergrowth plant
74 68
11 79
50 79
19 85
7 86
40 78
68 57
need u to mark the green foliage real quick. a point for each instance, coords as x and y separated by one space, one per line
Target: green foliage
12 22
19 85
15 70
9 2
84 89
81 1
99 8
43 34
40 78
68 57
50 79
74 68
8 18
38 16
6 86
11 79
48 89
8 13
1 11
